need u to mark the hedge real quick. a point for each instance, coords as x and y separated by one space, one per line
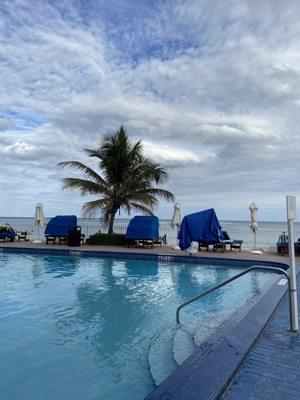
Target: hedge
107 239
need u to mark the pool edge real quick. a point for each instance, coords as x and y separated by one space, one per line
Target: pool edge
77 252
207 372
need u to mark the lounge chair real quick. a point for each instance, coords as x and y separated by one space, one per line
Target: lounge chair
226 241
57 229
202 227
203 246
283 247
23 236
143 231
7 233
221 245
236 244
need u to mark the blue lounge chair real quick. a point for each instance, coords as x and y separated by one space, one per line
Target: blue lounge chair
58 228
7 233
225 240
143 230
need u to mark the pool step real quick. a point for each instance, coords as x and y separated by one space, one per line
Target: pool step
183 345
172 346
160 360
207 327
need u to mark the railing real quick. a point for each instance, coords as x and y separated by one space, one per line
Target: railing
265 238
233 278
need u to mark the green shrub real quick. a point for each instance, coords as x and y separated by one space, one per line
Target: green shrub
107 239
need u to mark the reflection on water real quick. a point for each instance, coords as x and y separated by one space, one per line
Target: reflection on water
82 326
58 269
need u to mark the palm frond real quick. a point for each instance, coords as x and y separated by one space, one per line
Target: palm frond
98 153
142 198
141 208
87 171
127 178
154 172
91 207
165 194
84 186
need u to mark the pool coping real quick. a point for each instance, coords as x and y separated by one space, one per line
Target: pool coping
74 252
206 373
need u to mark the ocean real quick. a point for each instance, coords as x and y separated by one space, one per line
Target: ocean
267 234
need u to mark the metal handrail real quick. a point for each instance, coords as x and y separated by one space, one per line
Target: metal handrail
271 269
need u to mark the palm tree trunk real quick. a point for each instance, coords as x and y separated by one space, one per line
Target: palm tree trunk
111 223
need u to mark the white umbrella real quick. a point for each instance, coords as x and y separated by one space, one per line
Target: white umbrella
39 221
254 225
176 220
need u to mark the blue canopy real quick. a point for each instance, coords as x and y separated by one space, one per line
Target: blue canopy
201 227
60 225
143 227
224 235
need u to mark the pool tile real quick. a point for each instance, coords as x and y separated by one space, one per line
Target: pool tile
274 361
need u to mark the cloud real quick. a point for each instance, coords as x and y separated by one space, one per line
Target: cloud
5 124
169 155
19 150
212 89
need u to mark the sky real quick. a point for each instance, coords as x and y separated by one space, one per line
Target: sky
211 87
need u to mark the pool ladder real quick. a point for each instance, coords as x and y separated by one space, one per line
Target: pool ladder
233 278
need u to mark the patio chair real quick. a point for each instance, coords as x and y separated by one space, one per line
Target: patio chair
236 244
203 246
57 229
23 236
143 230
7 233
202 227
283 247
226 241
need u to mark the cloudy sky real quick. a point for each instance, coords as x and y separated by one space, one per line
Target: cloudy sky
212 88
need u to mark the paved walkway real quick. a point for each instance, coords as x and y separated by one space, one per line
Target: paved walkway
272 370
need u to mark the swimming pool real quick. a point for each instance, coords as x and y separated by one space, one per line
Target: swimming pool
102 328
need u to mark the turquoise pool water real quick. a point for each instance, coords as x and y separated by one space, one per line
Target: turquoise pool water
90 328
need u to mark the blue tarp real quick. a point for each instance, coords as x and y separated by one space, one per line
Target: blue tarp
143 227
224 235
201 227
60 225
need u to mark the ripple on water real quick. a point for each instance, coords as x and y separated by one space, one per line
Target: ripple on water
81 328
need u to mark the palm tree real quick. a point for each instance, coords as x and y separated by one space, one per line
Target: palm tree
127 180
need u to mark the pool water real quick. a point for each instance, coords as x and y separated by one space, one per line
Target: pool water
91 328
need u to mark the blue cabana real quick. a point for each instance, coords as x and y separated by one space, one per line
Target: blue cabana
201 227
143 227
59 226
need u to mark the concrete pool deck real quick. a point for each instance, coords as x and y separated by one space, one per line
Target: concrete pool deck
165 250
272 369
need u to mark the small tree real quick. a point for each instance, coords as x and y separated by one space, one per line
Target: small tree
126 180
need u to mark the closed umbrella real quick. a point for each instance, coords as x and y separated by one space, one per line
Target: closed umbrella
176 221
39 221
254 225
